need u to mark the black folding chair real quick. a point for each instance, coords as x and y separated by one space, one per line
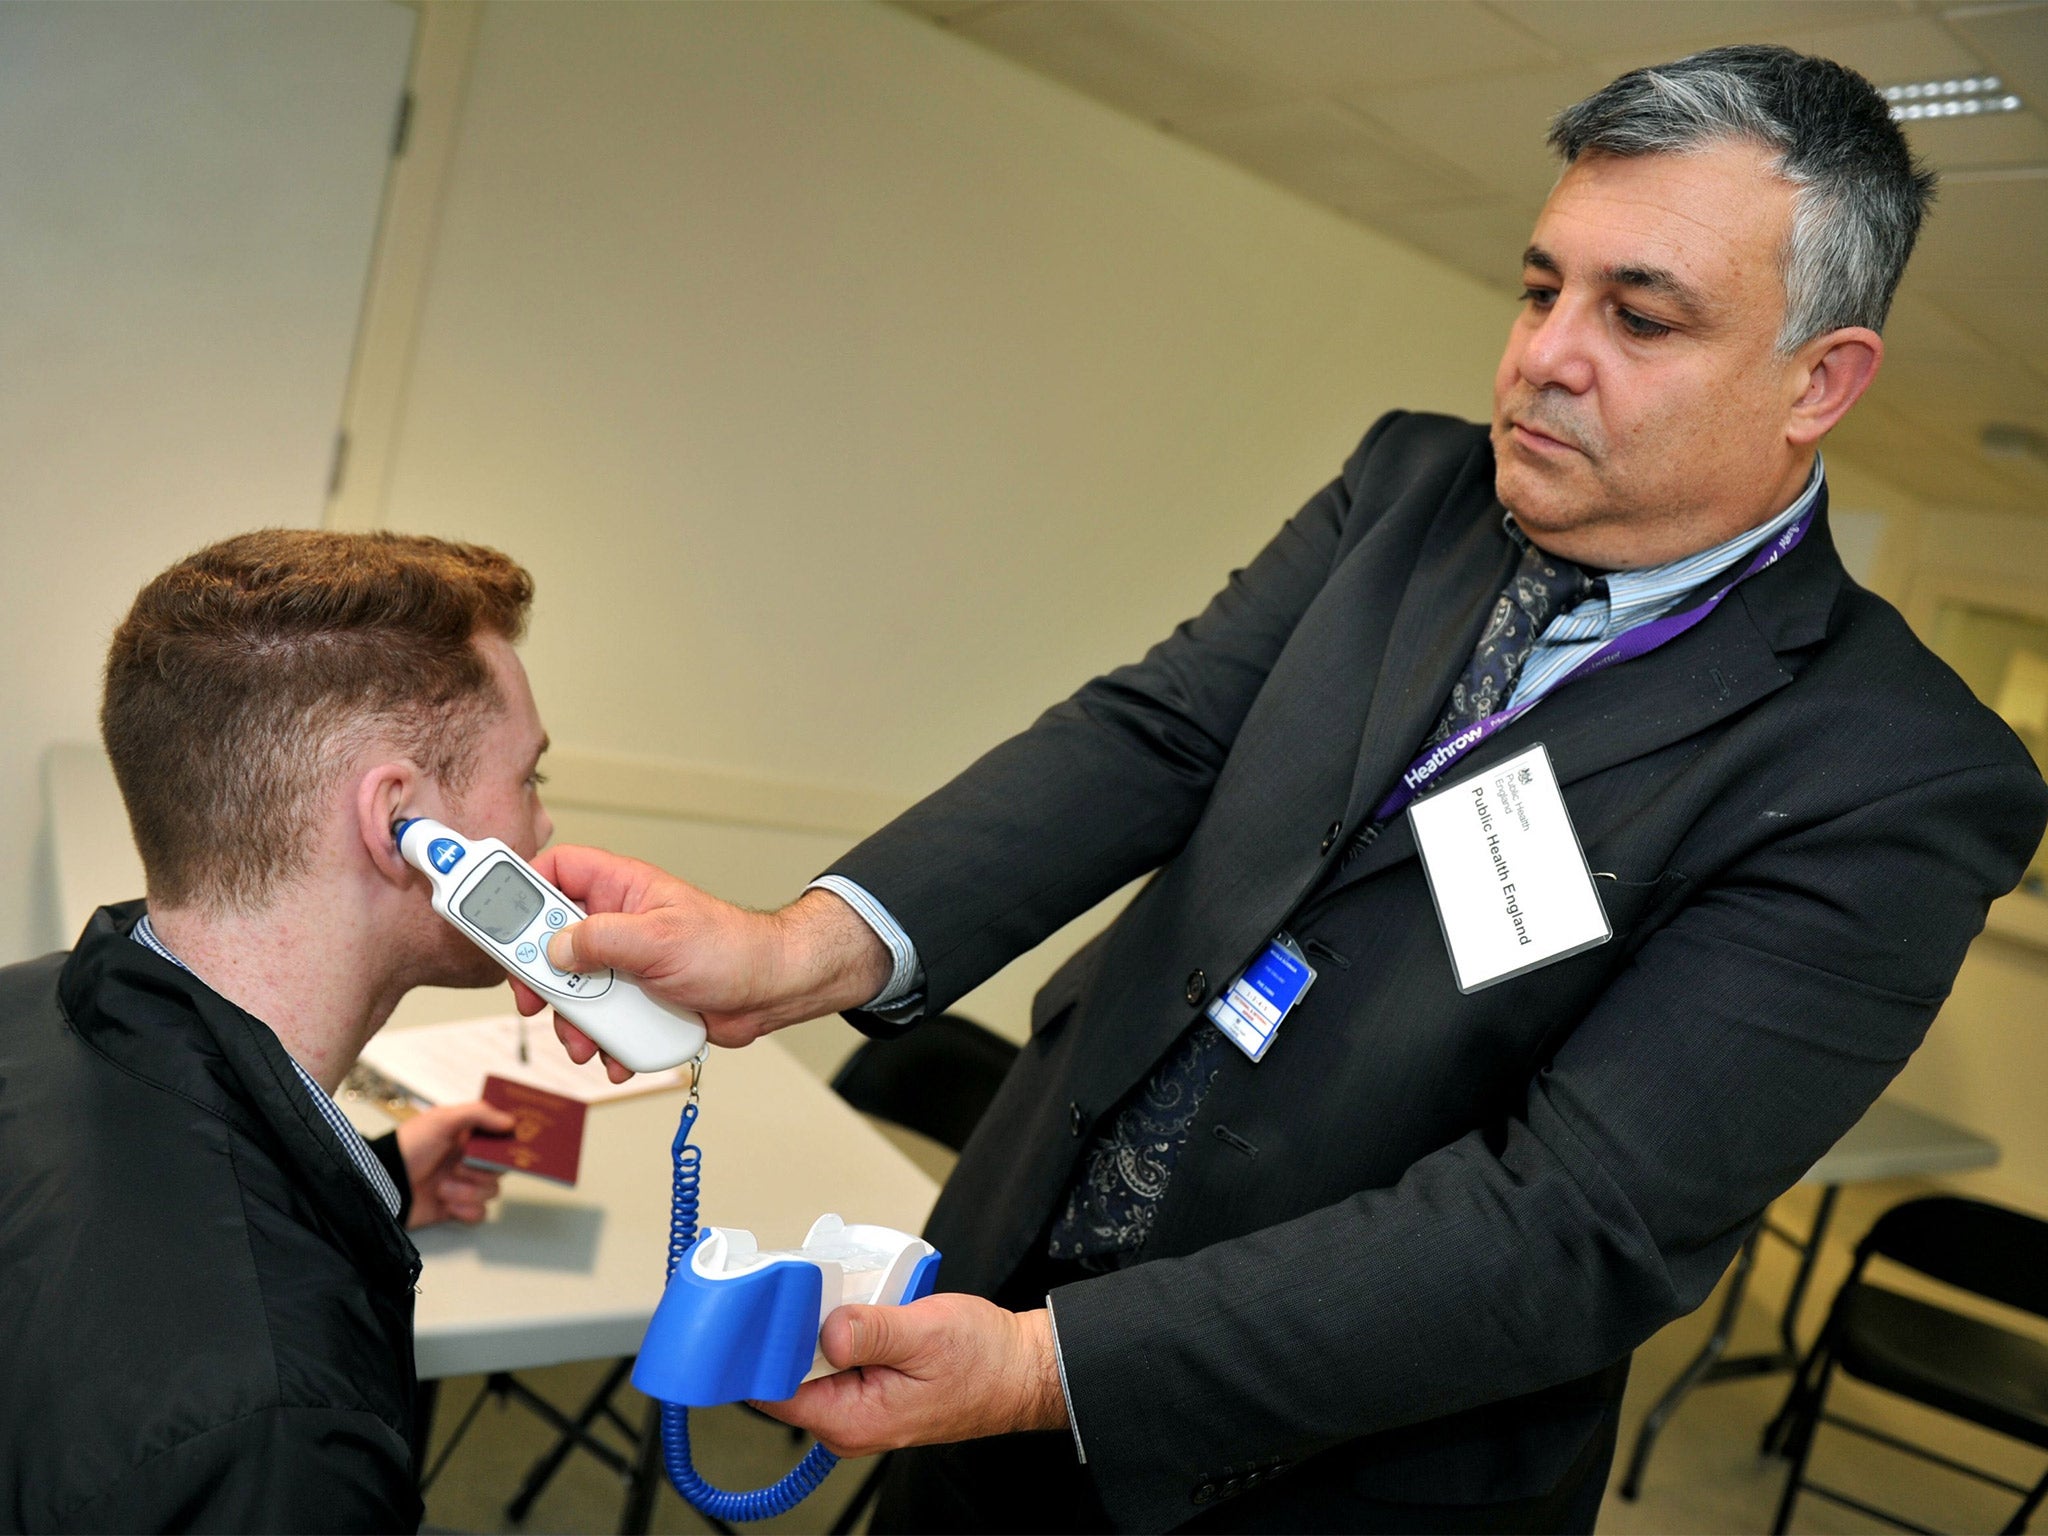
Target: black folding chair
936 1080
1943 1359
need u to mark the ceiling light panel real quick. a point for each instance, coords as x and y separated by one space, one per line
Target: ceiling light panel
1969 96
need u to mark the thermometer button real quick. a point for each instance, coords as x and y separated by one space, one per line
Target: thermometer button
557 917
526 954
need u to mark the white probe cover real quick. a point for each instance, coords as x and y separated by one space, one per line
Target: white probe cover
503 906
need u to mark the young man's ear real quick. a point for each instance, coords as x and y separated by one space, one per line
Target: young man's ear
385 795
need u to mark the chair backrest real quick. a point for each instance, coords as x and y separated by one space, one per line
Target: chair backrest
938 1079
1975 1246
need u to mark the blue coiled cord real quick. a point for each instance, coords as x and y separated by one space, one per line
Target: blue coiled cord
802 1480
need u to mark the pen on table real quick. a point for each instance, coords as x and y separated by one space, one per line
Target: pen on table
522 1040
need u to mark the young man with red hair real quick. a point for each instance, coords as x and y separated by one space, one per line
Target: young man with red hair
206 1317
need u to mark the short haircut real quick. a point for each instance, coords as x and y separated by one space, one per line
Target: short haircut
1860 194
247 676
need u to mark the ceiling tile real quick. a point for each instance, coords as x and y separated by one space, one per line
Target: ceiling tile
1891 51
1126 54
1340 45
2013 40
1491 129
1482 239
1587 29
1329 154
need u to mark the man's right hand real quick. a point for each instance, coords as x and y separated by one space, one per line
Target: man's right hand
746 972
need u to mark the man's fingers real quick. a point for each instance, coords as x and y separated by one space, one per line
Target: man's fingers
462 1206
479 1116
830 1408
581 1048
860 1335
524 998
579 1045
643 945
599 881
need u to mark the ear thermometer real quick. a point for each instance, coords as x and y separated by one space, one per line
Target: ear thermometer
503 906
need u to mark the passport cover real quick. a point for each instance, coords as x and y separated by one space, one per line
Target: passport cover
546 1139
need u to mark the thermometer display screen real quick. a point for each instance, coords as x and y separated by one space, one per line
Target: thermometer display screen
503 903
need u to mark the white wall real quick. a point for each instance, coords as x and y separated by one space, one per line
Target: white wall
853 393
190 193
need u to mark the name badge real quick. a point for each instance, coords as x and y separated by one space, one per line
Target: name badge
1251 1007
1505 869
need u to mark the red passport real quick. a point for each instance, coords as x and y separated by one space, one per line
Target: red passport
546 1138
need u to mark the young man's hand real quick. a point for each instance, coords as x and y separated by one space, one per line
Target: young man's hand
746 972
432 1143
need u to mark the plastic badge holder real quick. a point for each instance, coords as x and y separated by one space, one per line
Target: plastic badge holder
739 1324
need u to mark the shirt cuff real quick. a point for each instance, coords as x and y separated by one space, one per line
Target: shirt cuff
1052 1323
905 974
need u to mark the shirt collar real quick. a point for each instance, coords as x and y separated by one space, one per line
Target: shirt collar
1631 597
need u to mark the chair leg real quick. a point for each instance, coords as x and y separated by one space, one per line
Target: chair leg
645 1480
461 1429
2018 1522
543 1471
1800 1435
1696 1371
1777 1434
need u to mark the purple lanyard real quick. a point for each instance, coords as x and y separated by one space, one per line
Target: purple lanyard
1639 641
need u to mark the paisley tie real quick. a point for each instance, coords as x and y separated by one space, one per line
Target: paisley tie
1542 587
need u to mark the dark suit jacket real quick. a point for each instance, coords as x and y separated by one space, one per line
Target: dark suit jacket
1439 1218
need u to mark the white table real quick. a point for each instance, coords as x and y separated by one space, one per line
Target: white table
555 1275
560 1274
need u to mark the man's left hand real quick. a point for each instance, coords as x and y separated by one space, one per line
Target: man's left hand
444 1188
946 1368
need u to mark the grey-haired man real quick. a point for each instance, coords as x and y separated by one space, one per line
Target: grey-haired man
1373 1256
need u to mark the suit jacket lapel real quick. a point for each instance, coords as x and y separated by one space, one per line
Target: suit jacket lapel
1721 667
1464 564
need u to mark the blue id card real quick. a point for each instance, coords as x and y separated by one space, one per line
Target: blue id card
1252 1007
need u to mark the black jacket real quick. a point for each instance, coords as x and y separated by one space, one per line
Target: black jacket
1440 1222
205 1312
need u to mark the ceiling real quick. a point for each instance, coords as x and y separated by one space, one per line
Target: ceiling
1425 119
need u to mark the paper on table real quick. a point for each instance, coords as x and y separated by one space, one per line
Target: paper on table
447 1063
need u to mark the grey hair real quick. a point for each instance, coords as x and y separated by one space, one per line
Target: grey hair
1860 195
